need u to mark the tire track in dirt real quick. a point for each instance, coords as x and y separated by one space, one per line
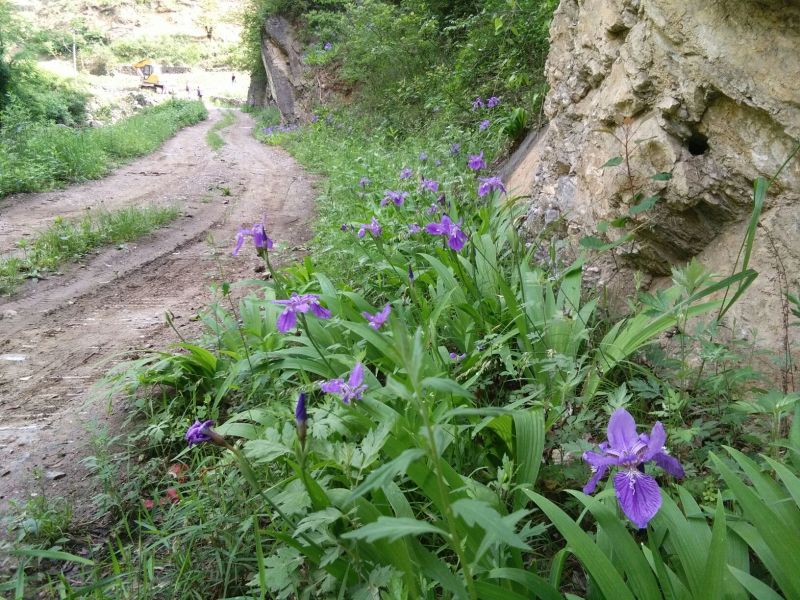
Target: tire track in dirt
68 329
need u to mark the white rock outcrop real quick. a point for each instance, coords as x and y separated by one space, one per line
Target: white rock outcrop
707 91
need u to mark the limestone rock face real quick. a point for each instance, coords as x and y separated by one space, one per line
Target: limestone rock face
707 91
281 55
257 90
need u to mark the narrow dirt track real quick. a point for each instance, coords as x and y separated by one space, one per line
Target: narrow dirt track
59 335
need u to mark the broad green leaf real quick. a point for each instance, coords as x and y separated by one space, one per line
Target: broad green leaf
785 549
52 555
265 450
758 589
392 528
597 565
662 176
482 514
643 206
385 473
446 386
716 565
640 576
534 584
613 162
529 431
490 591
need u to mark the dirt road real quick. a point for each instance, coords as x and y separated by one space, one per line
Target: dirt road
59 335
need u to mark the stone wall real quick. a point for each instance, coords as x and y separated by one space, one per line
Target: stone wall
707 91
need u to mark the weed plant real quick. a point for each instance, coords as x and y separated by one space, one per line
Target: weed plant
66 240
213 137
36 156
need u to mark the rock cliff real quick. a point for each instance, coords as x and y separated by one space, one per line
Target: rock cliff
706 91
286 85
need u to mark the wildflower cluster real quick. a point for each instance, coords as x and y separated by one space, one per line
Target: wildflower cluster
272 129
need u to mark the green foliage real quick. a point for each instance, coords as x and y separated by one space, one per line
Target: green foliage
173 50
422 487
213 137
65 240
409 60
36 156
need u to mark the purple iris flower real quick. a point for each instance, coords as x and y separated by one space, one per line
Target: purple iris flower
492 102
406 173
397 197
300 414
489 184
374 228
260 238
344 227
455 148
457 357
353 389
314 118
327 46
410 274
484 124
300 418
414 228
199 432
423 156
364 182
638 494
437 162
429 184
432 209
379 318
476 162
455 237
299 304
477 103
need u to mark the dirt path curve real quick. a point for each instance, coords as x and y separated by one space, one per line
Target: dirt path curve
58 335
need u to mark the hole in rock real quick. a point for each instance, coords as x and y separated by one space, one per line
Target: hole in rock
697 144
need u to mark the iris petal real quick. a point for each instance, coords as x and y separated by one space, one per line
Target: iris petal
286 320
595 479
356 376
655 442
320 311
334 386
670 464
638 495
622 430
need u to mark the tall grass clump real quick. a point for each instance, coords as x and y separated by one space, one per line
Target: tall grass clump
65 240
36 156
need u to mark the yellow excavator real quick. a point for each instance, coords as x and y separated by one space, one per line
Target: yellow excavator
150 72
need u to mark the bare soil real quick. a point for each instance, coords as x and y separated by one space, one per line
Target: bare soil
59 335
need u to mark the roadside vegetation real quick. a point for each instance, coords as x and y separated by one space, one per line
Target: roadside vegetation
36 155
44 141
433 403
213 137
66 240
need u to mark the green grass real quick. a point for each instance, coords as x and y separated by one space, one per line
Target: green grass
213 137
37 156
65 240
264 116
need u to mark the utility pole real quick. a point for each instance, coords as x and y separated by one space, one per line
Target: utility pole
74 56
